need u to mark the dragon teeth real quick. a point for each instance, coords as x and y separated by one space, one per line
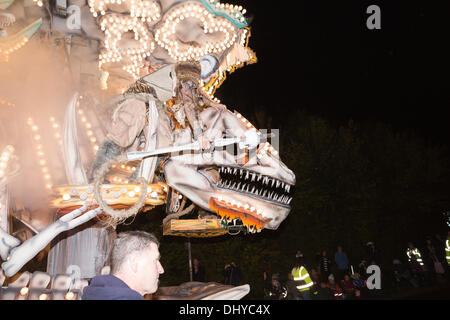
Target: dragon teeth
261 191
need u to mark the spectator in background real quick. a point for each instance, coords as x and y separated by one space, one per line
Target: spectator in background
198 271
266 285
373 253
434 260
276 290
335 289
315 276
317 261
362 267
292 291
402 274
232 274
348 287
341 260
359 284
323 292
325 266
416 264
302 278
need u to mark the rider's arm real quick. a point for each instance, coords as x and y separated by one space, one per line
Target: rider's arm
127 122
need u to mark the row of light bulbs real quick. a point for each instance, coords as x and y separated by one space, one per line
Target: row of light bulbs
43 296
38 2
122 167
88 126
233 10
7 103
208 92
166 38
132 193
239 205
127 169
4 159
57 128
114 26
16 45
40 153
146 10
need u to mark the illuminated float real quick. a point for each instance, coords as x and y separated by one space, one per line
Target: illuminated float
139 49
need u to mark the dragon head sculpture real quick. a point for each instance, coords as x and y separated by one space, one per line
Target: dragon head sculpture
253 186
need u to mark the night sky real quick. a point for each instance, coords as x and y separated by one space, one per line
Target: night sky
319 56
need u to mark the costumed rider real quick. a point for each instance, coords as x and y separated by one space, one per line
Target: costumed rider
160 109
302 277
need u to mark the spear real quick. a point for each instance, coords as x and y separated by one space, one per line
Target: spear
250 140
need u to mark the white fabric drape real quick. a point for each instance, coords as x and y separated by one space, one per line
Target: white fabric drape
87 246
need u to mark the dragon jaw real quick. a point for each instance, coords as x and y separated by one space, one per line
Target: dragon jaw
258 193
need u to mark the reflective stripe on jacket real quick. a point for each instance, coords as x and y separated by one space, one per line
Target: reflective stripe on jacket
447 249
302 274
416 253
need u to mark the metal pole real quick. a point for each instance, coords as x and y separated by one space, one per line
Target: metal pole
190 258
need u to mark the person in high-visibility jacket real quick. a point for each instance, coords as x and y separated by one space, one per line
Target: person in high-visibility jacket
447 248
301 277
414 254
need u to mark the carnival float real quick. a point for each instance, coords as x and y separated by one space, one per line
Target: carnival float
102 135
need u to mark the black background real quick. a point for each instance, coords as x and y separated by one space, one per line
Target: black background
320 56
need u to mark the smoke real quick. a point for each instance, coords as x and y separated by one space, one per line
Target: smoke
37 84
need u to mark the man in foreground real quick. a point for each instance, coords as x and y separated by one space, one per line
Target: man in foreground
135 269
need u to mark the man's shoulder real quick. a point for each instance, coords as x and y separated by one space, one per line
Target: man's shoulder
109 287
